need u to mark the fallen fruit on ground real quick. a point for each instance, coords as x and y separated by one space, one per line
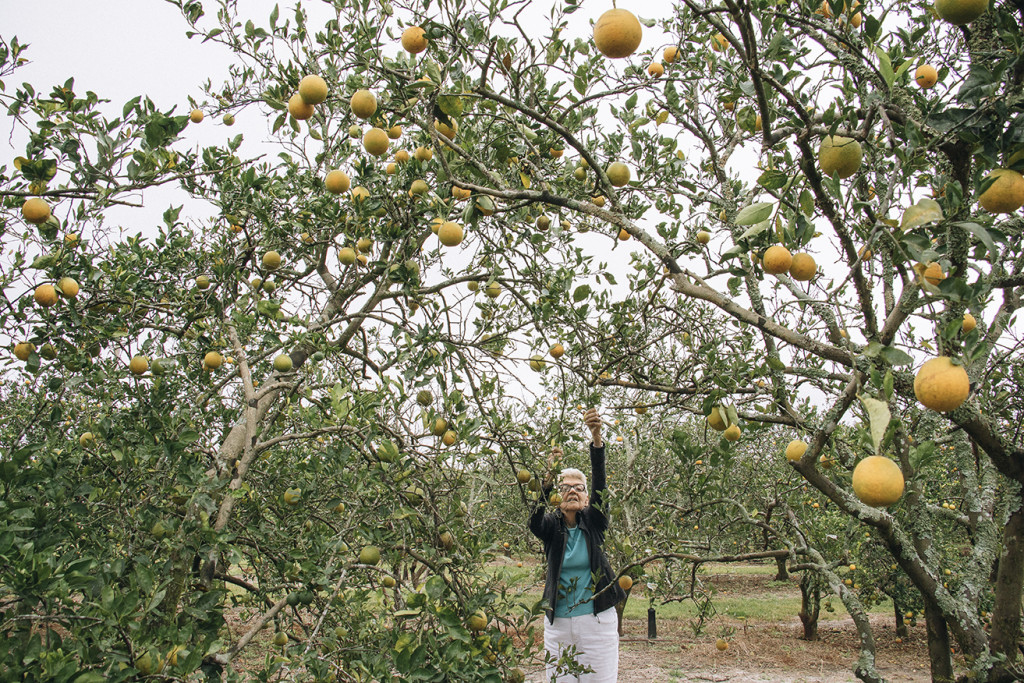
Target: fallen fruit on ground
877 481
941 385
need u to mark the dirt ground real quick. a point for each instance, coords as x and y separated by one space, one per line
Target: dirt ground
771 651
763 652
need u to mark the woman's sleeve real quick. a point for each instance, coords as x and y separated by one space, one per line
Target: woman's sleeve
598 482
541 523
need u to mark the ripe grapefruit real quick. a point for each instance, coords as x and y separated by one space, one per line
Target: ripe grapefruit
960 12
35 210
940 385
363 103
839 155
877 481
777 259
414 40
926 76
618 173
298 108
313 89
450 233
803 267
617 33
376 142
337 181
1006 194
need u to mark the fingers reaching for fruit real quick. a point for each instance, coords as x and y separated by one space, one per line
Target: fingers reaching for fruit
592 419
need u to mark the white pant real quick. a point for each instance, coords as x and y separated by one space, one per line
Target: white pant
596 637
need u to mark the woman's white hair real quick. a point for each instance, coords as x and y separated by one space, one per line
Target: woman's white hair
572 472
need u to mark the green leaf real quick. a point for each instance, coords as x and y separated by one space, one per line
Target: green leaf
925 211
981 233
773 180
755 213
807 203
581 293
878 417
894 356
885 66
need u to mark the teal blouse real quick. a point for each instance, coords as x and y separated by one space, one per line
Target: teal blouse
574 591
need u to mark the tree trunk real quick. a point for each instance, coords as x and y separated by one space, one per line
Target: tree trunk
781 574
1006 634
901 626
939 657
810 605
620 608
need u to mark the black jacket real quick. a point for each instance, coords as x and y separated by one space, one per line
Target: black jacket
550 527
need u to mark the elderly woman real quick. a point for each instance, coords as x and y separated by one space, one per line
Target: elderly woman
579 587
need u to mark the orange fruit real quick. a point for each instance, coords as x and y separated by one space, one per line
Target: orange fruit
940 385
363 103
803 267
795 450
35 210
655 69
933 273
1006 194
618 173
299 108
138 365
376 142
715 420
617 33
196 116
337 182
969 323
557 351
450 233
670 54
45 295
732 433
719 43
839 155
313 89
414 40
777 259
960 12
877 481
926 76
625 582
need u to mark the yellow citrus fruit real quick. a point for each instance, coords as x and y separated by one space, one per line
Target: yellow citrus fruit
446 130
523 476
537 363
337 181
926 76
715 420
213 360
877 481
35 210
283 363
196 116
450 233
460 193
617 33
703 237
395 132
721 645
623 234
732 433
313 89
401 156
618 173
477 621
363 103
670 54
556 152
347 256
795 450
23 350
969 323
299 108
557 351
655 69
777 259
803 267
414 40
941 385
492 290
719 43
839 155
1006 194
423 154
449 438
376 142
369 555
68 287
960 12
364 244
360 194
45 295
271 260
543 223
418 187
138 365
933 273
625 582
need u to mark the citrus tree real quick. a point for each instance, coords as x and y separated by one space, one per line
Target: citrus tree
291 401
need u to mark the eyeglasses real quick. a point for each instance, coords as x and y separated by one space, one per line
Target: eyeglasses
578 488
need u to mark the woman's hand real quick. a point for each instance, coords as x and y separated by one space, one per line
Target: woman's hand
592 419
